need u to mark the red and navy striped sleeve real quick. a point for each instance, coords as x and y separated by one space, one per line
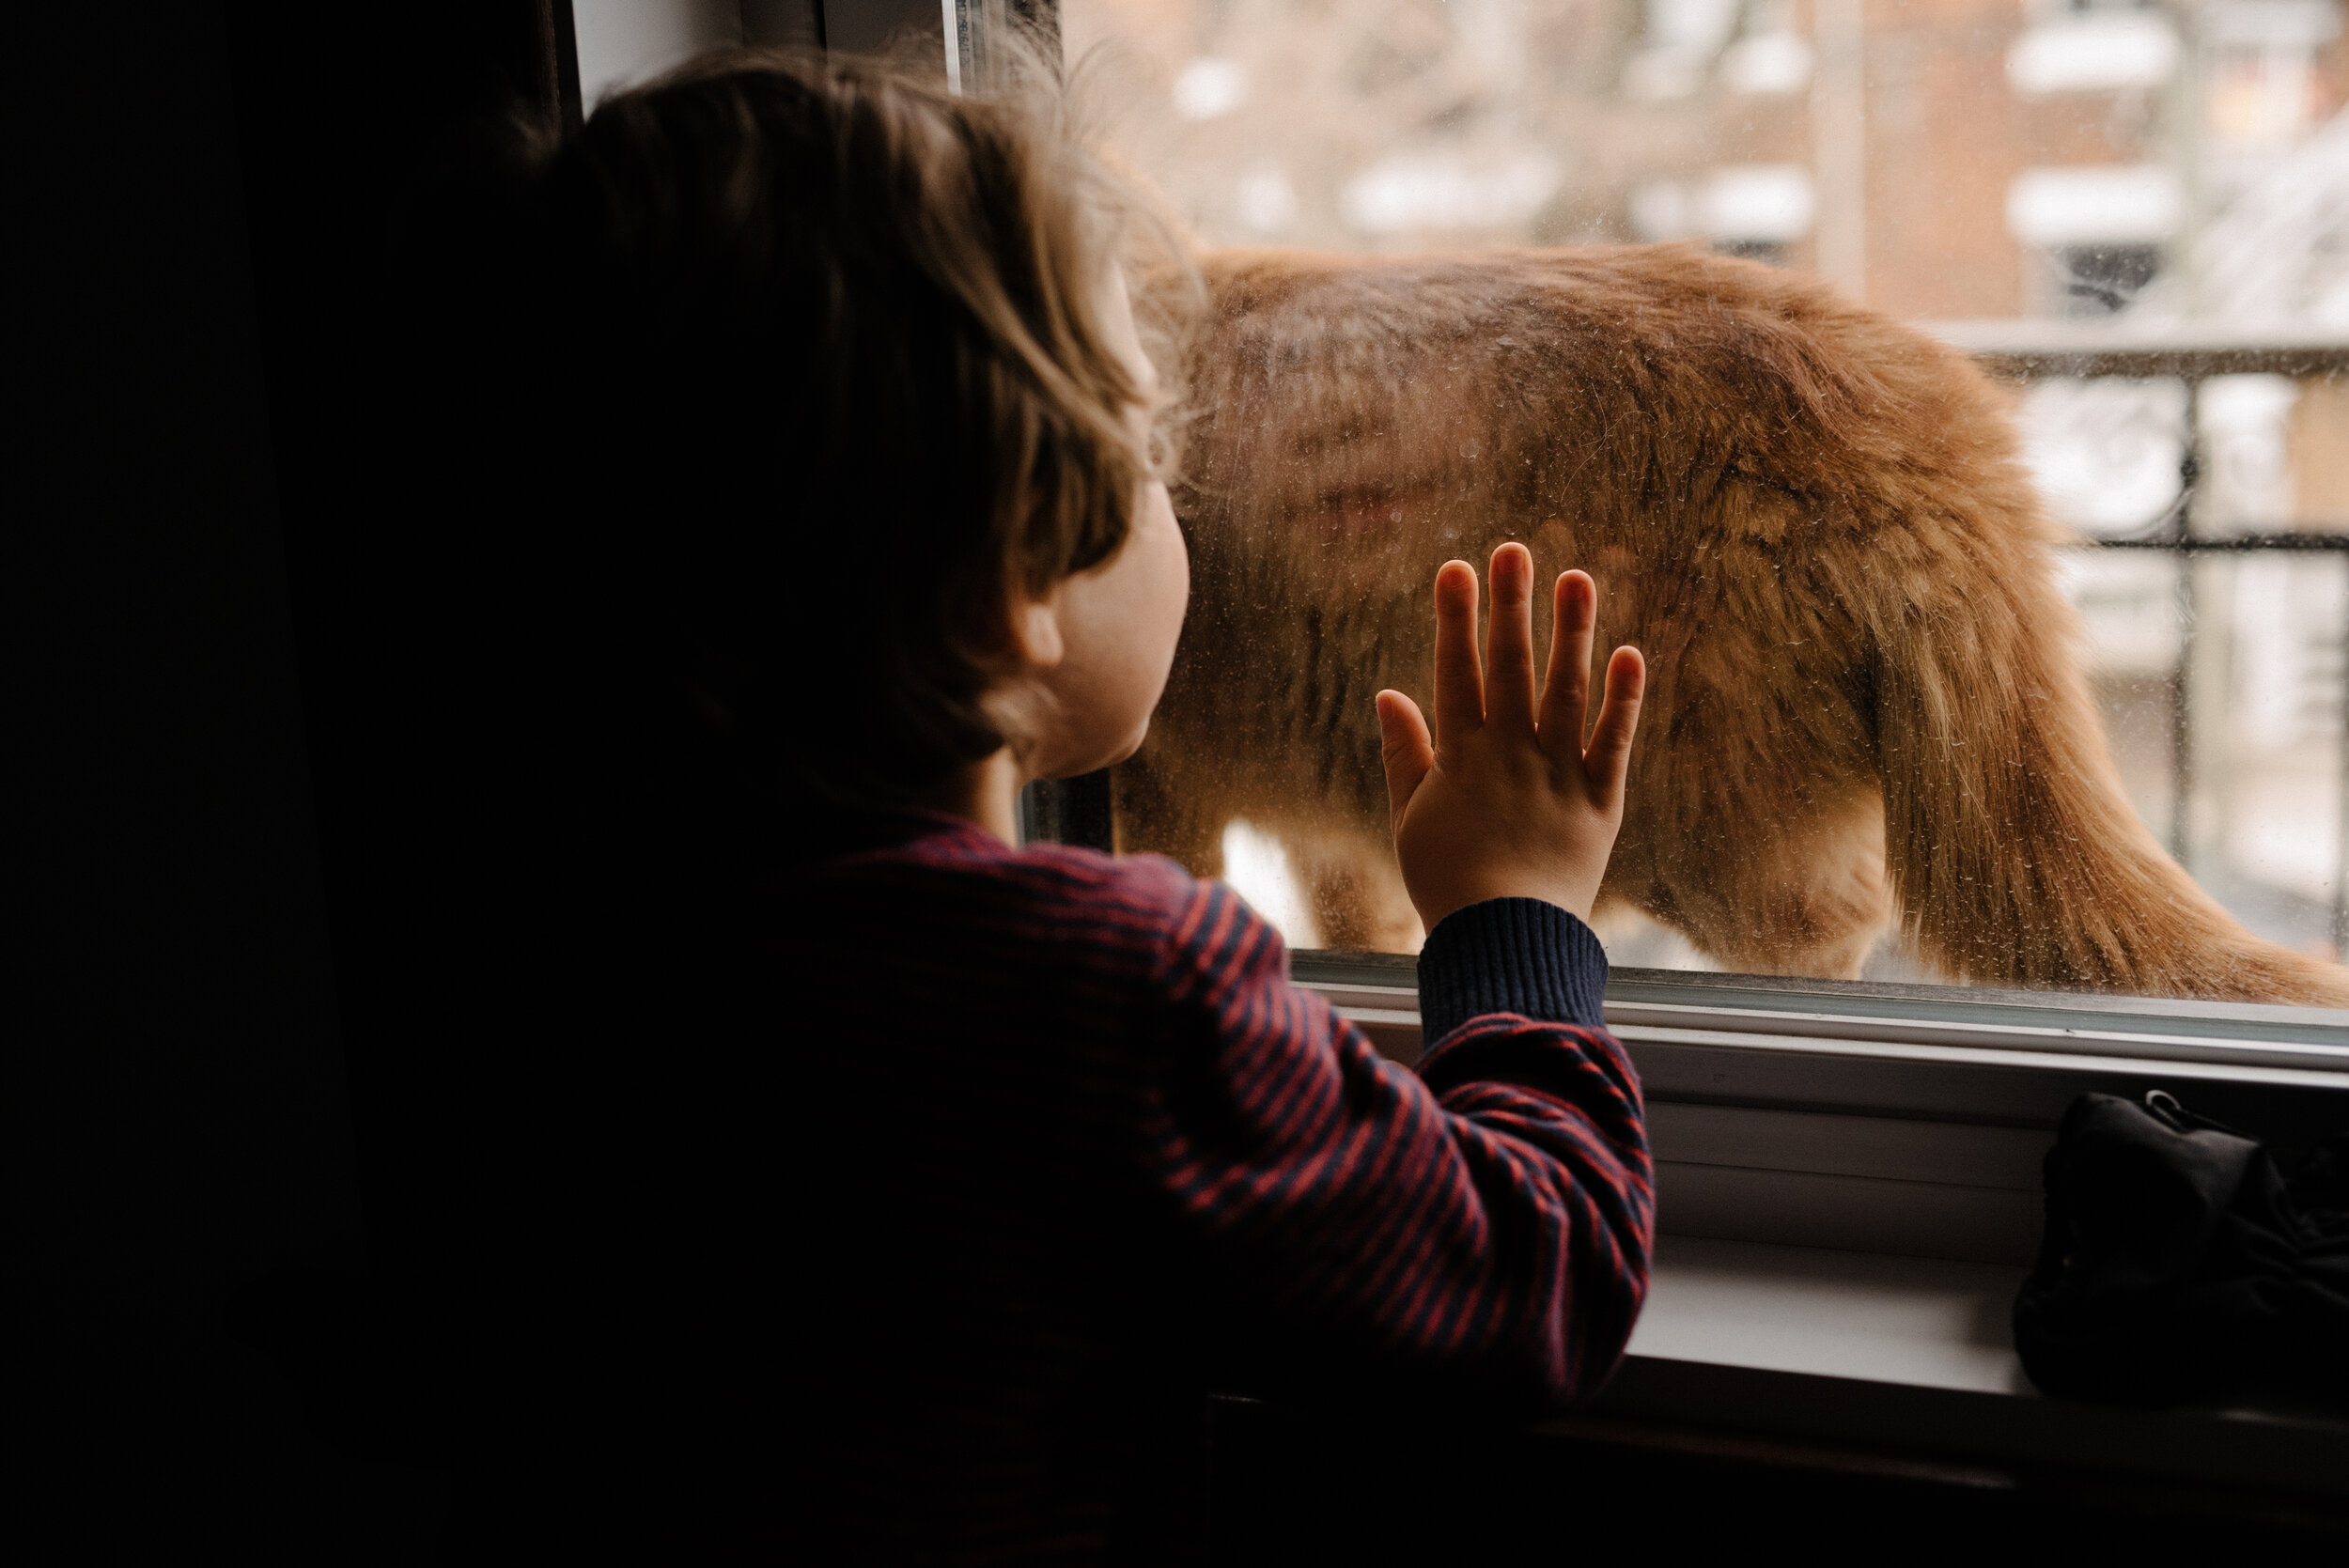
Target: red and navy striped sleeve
1485 1224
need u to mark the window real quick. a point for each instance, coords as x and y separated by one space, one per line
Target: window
2131 216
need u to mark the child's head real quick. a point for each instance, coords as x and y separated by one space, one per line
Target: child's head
857 428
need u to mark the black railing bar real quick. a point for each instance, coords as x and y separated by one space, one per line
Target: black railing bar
2035 351
2239 544
2149 364
2341 868
2179 534
2046 336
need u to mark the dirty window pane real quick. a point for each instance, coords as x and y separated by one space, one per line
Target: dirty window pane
1949 397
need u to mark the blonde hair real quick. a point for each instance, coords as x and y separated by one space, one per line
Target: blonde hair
829 324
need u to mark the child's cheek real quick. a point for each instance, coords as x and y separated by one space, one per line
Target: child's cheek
1171 579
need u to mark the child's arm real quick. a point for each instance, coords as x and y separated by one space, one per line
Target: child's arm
1480 1228
1486 1225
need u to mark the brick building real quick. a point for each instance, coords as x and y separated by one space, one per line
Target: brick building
1941 158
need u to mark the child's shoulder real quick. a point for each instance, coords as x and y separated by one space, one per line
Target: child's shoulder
948 895
954 867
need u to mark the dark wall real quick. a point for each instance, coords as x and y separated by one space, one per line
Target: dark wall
197 413
348 121
173 1105
237 1112
172 1111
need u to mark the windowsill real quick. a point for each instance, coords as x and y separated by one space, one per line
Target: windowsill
1914 1355
1896 1121
1847 1177
1823 1313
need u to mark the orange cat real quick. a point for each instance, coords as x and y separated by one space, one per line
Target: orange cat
1863 704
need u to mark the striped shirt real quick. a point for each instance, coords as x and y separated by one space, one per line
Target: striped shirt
1086 1150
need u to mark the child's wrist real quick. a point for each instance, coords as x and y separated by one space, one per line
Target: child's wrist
1511 954
1483 889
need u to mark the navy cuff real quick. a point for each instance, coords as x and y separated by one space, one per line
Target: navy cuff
1511 956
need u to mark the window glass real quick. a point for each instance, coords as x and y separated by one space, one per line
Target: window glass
1866 621
624 43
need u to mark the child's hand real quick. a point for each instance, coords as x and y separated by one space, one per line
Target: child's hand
1507 802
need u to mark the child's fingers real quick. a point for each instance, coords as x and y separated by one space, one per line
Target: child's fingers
1608 758
1405 747
1509 657
1459 685
1566 686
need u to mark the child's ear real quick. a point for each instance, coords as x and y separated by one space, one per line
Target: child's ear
1035 629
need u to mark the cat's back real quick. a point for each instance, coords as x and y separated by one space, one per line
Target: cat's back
1636 360
1291 309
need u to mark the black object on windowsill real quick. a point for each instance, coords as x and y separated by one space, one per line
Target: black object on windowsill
2184 1262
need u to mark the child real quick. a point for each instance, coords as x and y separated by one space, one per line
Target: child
873 534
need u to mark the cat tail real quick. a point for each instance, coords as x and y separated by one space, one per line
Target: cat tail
2014 855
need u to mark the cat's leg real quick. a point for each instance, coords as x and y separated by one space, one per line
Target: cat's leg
1808 896
1161 807
1355 889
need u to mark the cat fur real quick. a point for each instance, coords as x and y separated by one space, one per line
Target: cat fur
1865 712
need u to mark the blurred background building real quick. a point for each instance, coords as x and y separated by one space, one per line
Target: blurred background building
2159 189
1942 159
